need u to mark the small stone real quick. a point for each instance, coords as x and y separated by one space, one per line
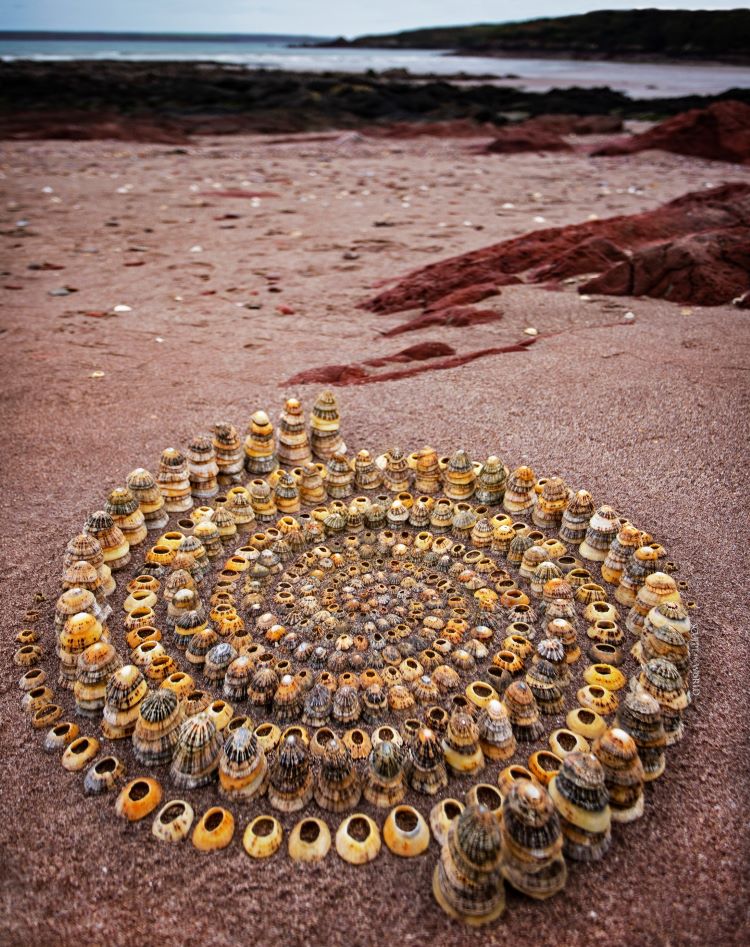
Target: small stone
629 317
121 308
97 375
530 330
196 249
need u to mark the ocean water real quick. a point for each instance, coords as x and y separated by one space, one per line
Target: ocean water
642 80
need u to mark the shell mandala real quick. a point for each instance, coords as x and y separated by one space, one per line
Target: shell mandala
474 664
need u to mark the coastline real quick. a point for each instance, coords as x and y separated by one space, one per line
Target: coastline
173 101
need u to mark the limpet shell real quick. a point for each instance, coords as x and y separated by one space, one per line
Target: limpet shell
586 722
405 832
486 795
61 736
138 799
309 841
173 821
44 716
358 839
442 815
103 775
262 837
563 742
79 753
214 830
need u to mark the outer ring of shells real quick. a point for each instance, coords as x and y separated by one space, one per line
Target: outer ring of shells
364 655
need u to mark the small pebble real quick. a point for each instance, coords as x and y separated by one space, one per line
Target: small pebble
629 317
121 308
530 330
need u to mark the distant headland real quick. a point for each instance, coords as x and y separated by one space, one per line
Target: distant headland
648 35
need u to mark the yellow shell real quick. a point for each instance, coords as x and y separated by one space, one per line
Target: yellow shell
480 693
405 832
358 839
173 821
487 795
605 676
562 742
543 765
180 683
598 698
60 736
268 736
586 723
358 743
220 712
79 753
309 841
262 837
215 830
442 815
138 799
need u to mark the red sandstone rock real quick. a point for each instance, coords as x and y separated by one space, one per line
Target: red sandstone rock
580 124
721 133
414 353
459 316
465 296
80 126
554 249
515 139
706 269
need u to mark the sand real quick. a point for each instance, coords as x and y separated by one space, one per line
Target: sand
651 416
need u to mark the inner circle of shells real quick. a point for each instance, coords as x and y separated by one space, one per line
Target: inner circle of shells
392 653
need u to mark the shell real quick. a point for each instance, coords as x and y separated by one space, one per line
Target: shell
79 753
197 752
640 716
61 736
523 711
425 765
125 690
138 799
259 445
173 821
551 503
580 796
495 732
293 442
309 841
405 832
358 839
262 837
291 777
103 775
243 769
623 773
467 882
442 815
325 436
383 783
463 754
155 736
337 787
214 830
532 842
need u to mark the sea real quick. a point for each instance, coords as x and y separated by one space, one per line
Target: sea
640 80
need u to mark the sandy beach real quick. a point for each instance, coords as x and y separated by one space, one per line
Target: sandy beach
243 261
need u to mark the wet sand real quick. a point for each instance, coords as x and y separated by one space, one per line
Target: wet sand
651 416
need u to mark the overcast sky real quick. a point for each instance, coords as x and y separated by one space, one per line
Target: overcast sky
318 17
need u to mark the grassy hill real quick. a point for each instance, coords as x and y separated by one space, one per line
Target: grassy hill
722 35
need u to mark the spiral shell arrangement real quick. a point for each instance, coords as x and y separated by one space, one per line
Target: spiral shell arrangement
290 637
